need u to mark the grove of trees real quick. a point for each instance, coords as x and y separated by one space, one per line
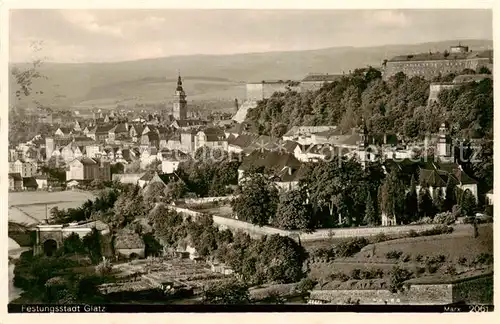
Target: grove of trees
396 106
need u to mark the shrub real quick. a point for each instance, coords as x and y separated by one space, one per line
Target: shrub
356 274
306 284
419 258
380 237
420 270
440 258
379 273
426 220
412 233
104 268
446 218
437 230
434 263
371 274
484 258
397 278
450 270
406 258
339 276
462 261
393 254
351 247
431 268
323 254
226 292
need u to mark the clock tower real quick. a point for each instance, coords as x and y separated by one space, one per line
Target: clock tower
180 103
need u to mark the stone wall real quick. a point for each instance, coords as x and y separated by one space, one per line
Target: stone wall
472 291
369 231
436 88
234 224
131 178
321 234
241 115
475 291
127 252
438 294
194 201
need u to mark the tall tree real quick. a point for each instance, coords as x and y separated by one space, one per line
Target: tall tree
411 208
258 200
393 197
425 208
438 200
293 213
450 198
371 217
468 203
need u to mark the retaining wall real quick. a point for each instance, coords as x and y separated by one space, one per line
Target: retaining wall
439 294
255 231
473 291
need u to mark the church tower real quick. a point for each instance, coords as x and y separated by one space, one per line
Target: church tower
444 144
180 103
363 154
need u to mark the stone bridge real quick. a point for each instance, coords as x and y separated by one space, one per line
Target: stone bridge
49 238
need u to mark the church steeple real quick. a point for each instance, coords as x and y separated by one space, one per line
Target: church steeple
179 83
180 103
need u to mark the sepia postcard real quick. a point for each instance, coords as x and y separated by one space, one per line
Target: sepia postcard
247 160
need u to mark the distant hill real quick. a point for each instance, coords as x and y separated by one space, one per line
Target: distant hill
207 77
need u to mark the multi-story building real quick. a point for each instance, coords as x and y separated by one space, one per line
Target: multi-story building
84 168
315 81
429 65
24 168
100 133
119 132
213 138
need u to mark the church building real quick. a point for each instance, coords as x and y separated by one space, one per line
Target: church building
180 103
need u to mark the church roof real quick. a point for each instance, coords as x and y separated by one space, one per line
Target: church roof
179 84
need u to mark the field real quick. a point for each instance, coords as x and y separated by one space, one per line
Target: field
142 275
31 207
452 246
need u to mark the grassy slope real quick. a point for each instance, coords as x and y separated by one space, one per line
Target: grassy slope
451 245
208 77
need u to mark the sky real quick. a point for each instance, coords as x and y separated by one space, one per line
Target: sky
77 36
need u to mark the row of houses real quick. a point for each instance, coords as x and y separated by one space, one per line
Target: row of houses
19 183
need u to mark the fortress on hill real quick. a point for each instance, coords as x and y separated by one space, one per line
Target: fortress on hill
425 65
429 65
